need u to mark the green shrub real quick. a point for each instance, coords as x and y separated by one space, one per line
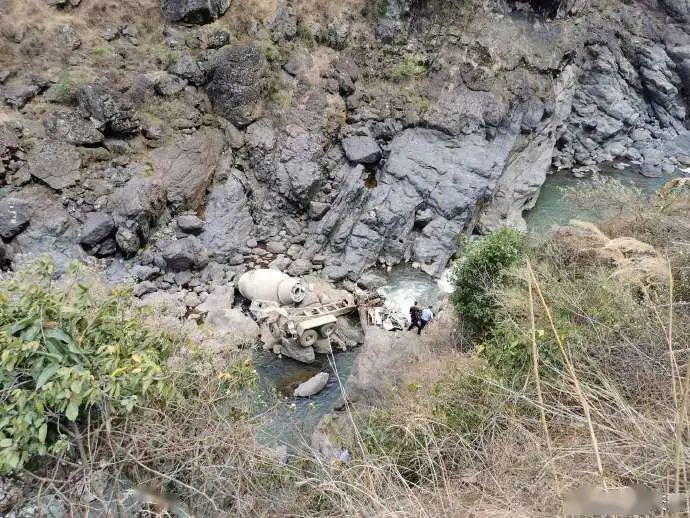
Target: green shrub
63 91
68 354
412 67
306 36
381 8
508 348
480 272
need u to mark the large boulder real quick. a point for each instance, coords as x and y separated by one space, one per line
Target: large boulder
128 240
186 67
312 386
97 227
361 150
190 224
186 166
185 254
112 111
229 223
239 81
136 206
14 217
232 324
194 11
291 348
71 127
52 230
21 90
55 163
288 161
222 297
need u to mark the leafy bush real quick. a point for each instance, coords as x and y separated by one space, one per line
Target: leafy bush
412 67
479 272
69 353
508 347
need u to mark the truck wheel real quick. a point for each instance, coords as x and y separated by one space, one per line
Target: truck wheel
309 338
327 330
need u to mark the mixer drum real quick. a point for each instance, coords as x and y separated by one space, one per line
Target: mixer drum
271 285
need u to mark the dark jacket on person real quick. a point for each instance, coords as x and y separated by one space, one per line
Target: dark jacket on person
415 313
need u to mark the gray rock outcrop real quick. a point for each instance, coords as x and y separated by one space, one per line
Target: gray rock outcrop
186 165
228 220
190 223
194 11
52 230
361 150
185 254
55 163
70 126
15 216
97 227
238 83
137 206
447 175
233 325
111 110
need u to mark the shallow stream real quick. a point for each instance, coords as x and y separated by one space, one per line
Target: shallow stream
293 423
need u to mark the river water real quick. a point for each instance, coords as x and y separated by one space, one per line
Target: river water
554 207
293 423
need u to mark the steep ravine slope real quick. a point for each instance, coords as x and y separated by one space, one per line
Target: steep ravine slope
211 137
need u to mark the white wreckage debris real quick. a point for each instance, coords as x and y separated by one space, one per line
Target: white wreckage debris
288 326
387 318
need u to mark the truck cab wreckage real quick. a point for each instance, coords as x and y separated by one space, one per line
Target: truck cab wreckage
299 320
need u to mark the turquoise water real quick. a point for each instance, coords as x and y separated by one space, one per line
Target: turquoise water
289 420
554 207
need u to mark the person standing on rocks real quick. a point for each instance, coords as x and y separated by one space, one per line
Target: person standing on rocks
415 316
427 316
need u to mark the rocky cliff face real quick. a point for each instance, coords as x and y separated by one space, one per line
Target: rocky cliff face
205 137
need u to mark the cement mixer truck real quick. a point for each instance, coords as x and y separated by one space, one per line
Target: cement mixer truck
288 327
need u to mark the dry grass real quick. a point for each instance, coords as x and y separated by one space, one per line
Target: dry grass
30 44
453 437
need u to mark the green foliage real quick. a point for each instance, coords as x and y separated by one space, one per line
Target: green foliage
306 36
381 8
68 353
63 91
282 98
412 67
466 402
479 272
271 52
508 348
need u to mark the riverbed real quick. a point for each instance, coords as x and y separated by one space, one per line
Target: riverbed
293 423
292 420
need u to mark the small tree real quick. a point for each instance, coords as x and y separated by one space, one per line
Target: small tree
67 353
479 272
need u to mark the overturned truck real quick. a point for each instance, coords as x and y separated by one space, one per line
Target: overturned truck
296 320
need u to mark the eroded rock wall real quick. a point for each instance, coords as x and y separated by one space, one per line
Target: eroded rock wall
322 139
